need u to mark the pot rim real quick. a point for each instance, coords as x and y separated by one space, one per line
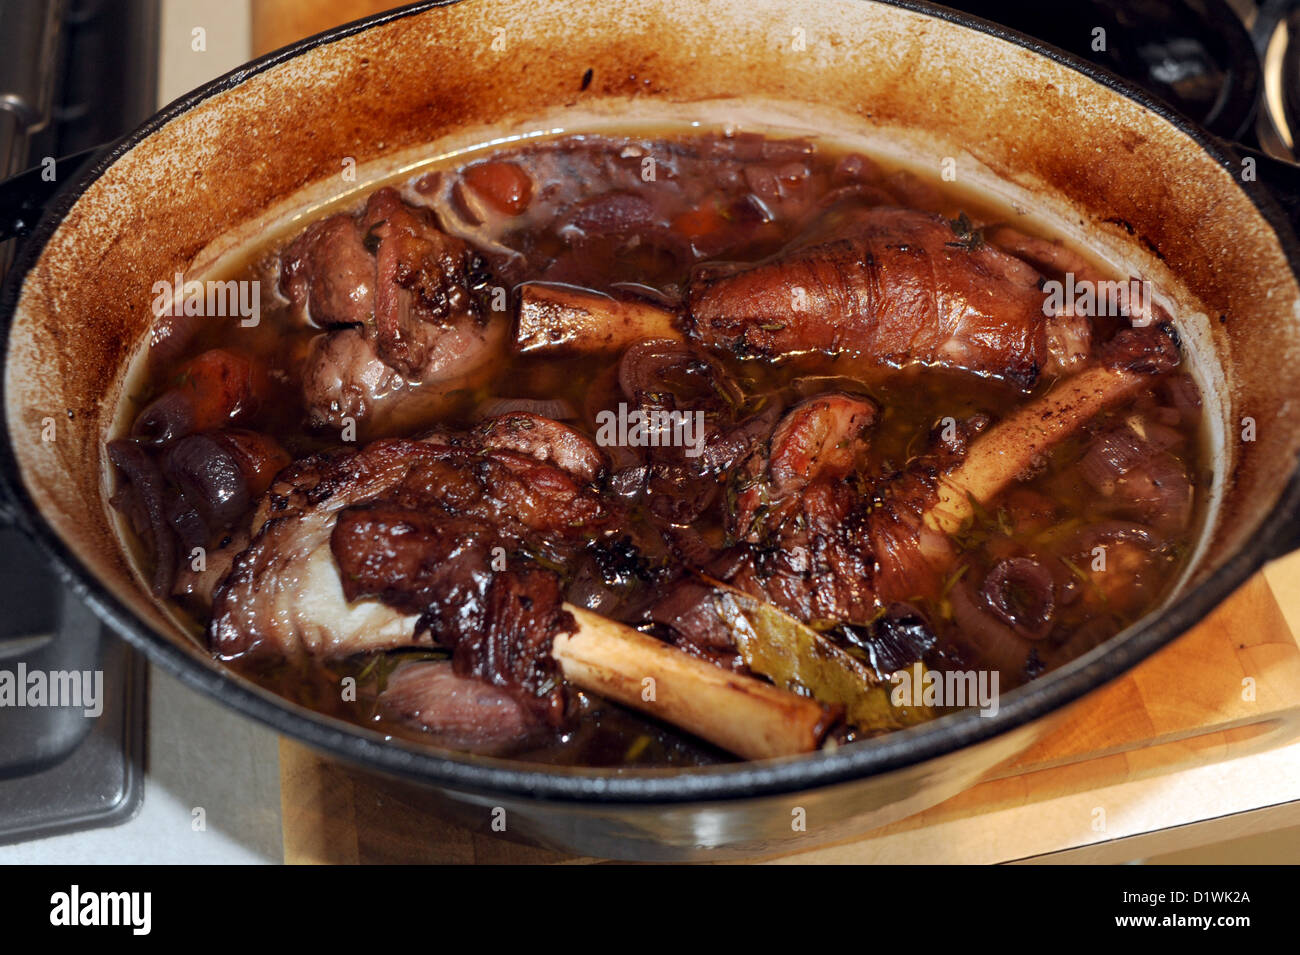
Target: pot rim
566 784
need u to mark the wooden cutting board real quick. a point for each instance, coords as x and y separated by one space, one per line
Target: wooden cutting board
277 23
1142 738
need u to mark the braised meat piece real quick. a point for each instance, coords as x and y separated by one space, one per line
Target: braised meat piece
545 440
499 620
405 307
822 437
812 535
894 285
283 595
843 551
328 274
410 558
425 282
409 543
513 500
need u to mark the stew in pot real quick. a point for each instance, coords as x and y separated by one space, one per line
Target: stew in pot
659 450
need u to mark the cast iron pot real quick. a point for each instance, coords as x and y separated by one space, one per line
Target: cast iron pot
249 152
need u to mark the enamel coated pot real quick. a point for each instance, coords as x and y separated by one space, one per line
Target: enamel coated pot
248 153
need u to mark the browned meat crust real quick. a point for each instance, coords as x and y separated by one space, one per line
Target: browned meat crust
403 303
894 285
411 543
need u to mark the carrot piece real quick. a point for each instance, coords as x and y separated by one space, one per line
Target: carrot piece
260 457
505 186
221 386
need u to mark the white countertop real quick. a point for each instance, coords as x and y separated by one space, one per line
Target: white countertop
200 755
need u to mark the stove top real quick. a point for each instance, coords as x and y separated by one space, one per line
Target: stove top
72 698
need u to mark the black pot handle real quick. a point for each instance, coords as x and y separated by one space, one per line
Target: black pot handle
24 197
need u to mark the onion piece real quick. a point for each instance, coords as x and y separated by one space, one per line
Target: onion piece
1110 457
1143 480
140 497
994 641
590 592
656 368
209 476
1021 593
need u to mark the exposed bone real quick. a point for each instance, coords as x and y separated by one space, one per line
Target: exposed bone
738 713
1007 450
563 320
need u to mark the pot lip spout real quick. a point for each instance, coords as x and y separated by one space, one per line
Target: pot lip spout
888 754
